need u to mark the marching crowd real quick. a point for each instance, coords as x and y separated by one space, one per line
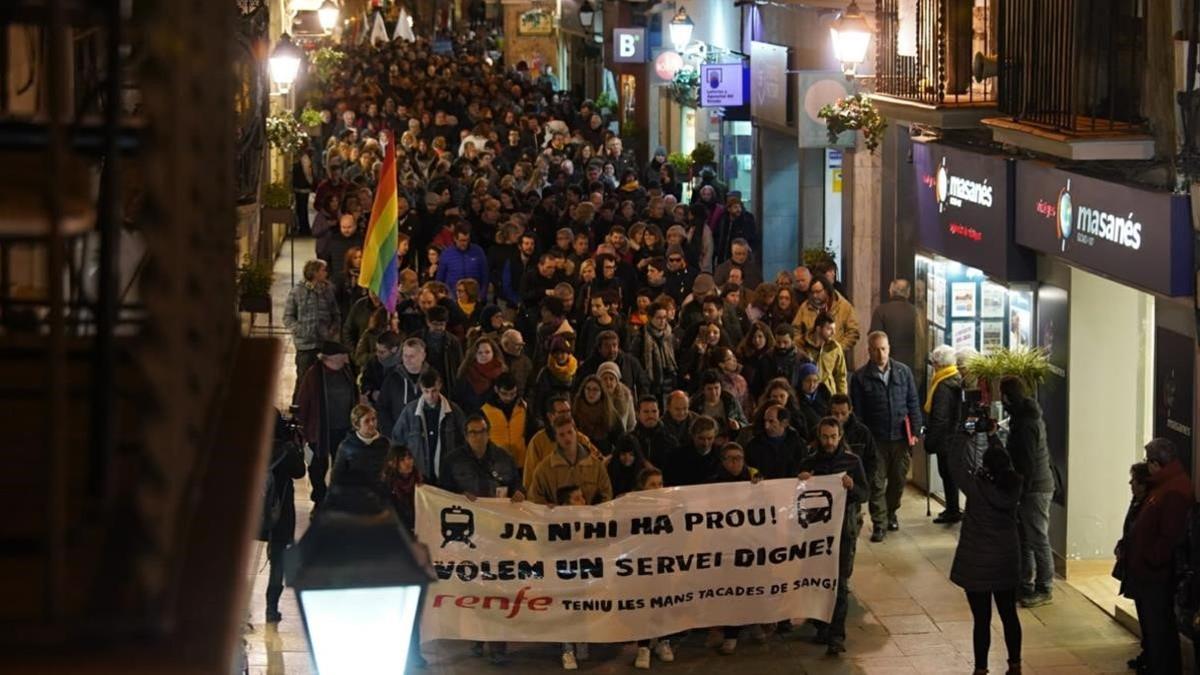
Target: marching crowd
570 329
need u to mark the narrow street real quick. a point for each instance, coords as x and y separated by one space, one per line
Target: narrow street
905 615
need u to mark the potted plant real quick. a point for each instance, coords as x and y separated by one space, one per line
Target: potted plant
277 205
703 155
285 133
1029 364
254 286
685 87
816 255
326 61
606 103
854 113
310 120
682 164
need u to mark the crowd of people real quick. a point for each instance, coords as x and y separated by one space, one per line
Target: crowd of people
570 329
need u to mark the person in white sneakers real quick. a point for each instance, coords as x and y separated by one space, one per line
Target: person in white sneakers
573 652
651 479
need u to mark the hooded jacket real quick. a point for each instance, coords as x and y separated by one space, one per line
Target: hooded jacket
410 431
399 388
846 323
831 365
989 547
1027 445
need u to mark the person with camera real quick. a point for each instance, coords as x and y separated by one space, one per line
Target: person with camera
1031 458
278 527
987 561
943 406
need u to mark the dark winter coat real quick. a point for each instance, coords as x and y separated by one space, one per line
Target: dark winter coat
323 427
899 319
945 418
812 410
1027 446
883 407
359 462
821 463
989 546
1158 528
858 438
399 388
632 373
657 443
776 459
685 466
279 509
481 476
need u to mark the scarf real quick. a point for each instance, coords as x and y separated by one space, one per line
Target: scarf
564 373
481 375
365 440
658 354
467 308
938 376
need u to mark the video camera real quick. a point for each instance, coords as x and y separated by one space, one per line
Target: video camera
976 416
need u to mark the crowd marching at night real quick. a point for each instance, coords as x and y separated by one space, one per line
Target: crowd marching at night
571 324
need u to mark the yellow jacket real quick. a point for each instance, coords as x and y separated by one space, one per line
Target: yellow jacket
508 433
589 474
846 329
831 365
542 446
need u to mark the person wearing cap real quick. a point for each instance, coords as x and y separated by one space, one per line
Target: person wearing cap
326 396
690 310
680 276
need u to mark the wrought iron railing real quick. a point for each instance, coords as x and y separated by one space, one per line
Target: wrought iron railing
1073 65
926 50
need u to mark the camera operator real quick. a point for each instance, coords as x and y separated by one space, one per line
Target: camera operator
278 527
943 410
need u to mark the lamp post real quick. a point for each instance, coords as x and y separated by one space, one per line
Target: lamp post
328 15
587 14
285 63
358 578
681 30
851 35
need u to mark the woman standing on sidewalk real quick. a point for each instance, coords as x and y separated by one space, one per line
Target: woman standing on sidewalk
987 561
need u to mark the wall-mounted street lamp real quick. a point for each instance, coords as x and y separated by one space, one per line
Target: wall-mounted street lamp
285 62
681 30
587 14
359 579
328 15
851 36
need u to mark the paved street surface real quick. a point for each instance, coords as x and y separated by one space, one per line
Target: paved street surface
905 616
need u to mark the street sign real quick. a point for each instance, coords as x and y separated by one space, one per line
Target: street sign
629 45
722 85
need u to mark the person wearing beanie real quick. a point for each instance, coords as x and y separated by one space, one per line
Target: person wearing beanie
620 395
811 394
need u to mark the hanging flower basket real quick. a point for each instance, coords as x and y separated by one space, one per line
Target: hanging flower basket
326 61
685 87
854 113
285 133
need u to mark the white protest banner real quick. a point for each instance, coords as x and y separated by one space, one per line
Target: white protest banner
644 565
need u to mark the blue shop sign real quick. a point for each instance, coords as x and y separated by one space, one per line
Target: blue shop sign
1138 236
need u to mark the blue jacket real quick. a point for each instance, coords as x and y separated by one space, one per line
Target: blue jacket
883 407
455 265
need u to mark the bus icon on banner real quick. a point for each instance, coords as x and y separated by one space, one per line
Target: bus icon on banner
814 507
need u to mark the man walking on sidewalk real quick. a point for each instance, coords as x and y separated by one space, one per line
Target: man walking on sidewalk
885 399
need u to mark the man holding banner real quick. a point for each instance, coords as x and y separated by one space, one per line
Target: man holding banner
835 458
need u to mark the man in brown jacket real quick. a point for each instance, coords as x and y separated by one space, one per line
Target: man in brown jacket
823 299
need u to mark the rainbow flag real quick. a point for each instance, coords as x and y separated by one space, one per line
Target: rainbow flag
380 272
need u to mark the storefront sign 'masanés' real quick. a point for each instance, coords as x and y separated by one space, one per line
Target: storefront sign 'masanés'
964 209
1142 237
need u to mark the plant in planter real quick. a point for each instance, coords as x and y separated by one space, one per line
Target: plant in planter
854 113
254 285
819 254
310 119
605 102
285 133
326 61
1029 364
277 196
703 155
685 87
682 164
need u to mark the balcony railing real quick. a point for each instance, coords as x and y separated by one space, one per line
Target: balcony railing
926 50
1074 66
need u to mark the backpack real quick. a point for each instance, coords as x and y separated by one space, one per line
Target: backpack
272 510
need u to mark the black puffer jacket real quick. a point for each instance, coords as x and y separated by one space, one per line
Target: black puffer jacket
1027 445
945 414
776 460
989 548
359 462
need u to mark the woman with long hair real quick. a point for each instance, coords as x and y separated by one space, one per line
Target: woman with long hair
784 309
987 562
754 353
725 362
480 367
593 412
400 480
